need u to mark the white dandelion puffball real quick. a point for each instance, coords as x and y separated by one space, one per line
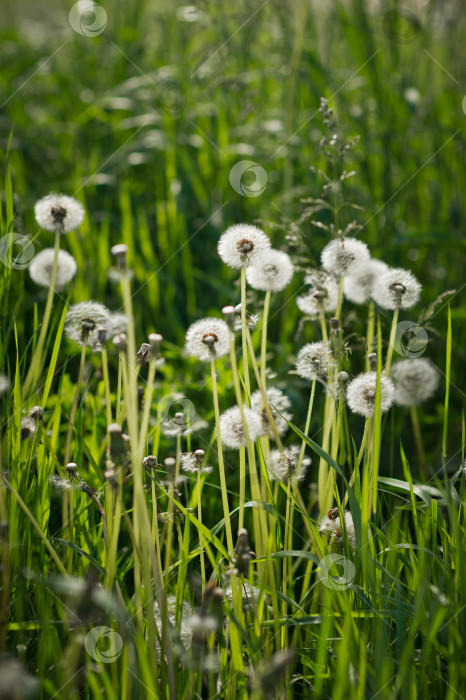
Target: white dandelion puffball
284 465
360 394
4 383
185 629
83 322
322 297
357 287
396 289
415 381
242 244
271 272
59 213
332 527
279 404
313 361
119 323
42 265
341 257
232 429
208 339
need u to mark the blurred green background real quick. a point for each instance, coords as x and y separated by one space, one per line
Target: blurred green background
142 109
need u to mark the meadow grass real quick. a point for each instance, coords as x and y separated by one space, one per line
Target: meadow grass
130 581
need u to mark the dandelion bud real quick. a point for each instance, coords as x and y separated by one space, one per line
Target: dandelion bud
242 553
229 315
120 341
142 355
120 252
361 394
170 465
71 469
102 335
155 340
149 462
335 323
199 454
242 244
343 377
372 357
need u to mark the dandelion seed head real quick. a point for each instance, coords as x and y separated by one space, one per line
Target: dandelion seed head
322 297
415 381
279 404
60 484
357 287
185 628
119 323
251 319
59 213
284 465
41 267
396 289
208 339
331 526
242 244
360 394
341 257
314 360
271 272
232 430
84 321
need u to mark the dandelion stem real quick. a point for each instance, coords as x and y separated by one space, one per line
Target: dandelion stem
242 486
306 428
74 406
243 334
323 327
263 394
37 358
265 319
221 465
201 544
391 342
418 439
